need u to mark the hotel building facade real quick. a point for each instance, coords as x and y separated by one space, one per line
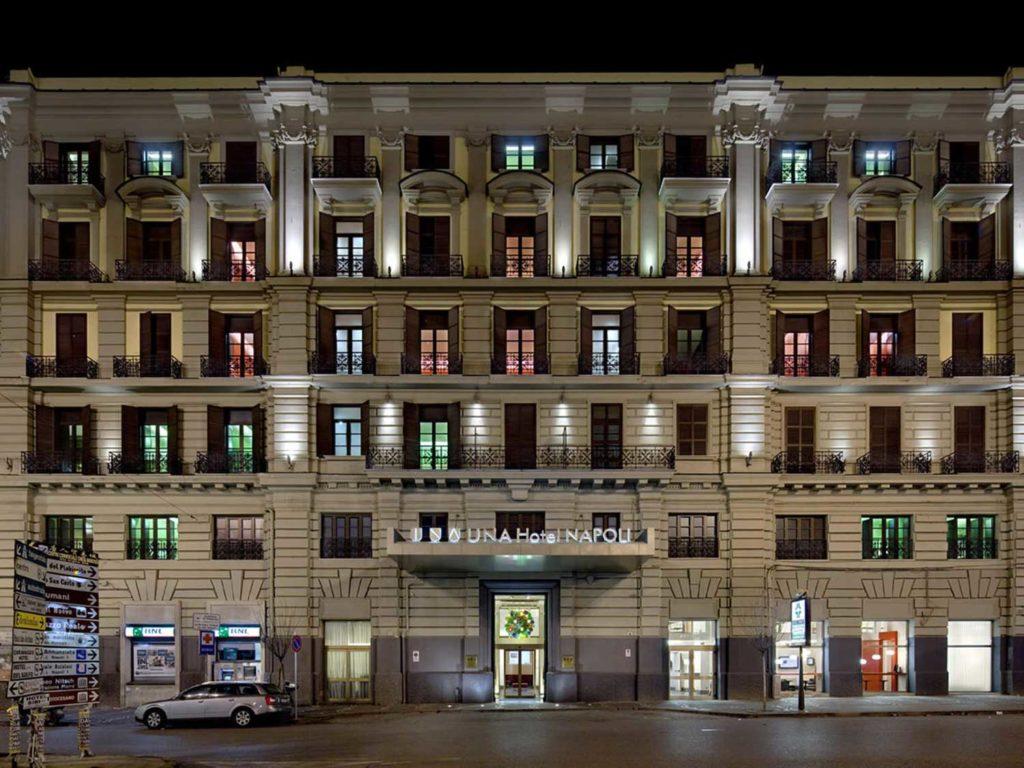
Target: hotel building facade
522 386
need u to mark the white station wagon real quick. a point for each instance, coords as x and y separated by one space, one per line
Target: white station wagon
240 703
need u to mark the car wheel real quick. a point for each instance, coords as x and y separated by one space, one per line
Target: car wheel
242 717
154 719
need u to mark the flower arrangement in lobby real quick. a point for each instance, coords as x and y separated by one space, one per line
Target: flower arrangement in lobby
519 623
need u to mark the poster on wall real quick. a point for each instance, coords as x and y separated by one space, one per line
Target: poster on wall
153 661
519 623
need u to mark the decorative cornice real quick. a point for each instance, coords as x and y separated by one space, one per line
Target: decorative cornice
198 146
562 138
926 142
835 145
114 147
1007 138
306 134
391 138
649 139
733 133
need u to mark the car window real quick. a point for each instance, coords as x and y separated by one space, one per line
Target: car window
222 690
197 692
271 688
248 690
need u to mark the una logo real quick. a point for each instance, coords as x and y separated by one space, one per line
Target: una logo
454 535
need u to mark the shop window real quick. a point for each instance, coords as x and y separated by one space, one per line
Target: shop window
969 658
787 660
883 656
153 658
152 538
692 646
347 645
69 532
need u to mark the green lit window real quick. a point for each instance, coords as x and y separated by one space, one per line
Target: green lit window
152 538
878 161
158 162
886 538
239 438
794 164
154 447
69 532
76 166
519 154
70 442
970 537
433 445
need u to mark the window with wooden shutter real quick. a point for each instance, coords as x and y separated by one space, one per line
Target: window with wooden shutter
969 438
74 241
968 337
799 436
72 343
692 430
884 438
349 153
520 435
606 436
240 162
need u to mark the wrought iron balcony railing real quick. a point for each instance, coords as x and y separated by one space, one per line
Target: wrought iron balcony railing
904 462
899 269
893 365
237 549
699 266
231 462
607 266
535 265
546 457
346 548
696 364
432 365
887 549
1001 462
696 167
58 463
814 172
972 173
688 546
148 366
60 172
234 173
344 363
143 463
364 265
801 549
971 549
233 272
65 269
806 365
440 265
974 269
486 457
608 364
384 457
149 270
812 463
804 270
152 550
524 364
233 367
328 167
979 365
53 367
608 457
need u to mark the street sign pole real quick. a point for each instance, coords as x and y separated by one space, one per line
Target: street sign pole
296 647
800 636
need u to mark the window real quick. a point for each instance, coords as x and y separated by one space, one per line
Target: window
238 538
795 159
970 537
519 247
73 241
692 646
241 343
969 438
692 428
349 248
886 538
606 436
884 438
519 344
690 335
516 522
433 152
347 645
692 535
605 245
796 244
689 247
346 536
433 440
434 343
882 338
158 162
969 656
69 532
605 336
800 537
519 154
800 440
604 154
242 250
880 241
879 159
156 242
963 242
152 538
155 447
606 521
348 429
787 659
76 166
70 439
348 344
796 347
238 435
434 526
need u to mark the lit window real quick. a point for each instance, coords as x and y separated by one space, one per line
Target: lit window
519 155
797 353
154 447
434 351
519 351
605 337
689 255
519 256
157 162
794 164
76 166
348 248
239 439
243 260
878 161
241 353
348 344
433 445
604 155
348 429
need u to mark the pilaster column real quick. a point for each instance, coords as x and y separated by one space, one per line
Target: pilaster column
476 333
1013 642
748 445
839 209
924 209
195 332
650 330
563 332
563 162
746 193
17 329
198 152
291 142
476 253
289 320
842 341
18 212
1011 143
290 403
113 210
390 332
926 331
652 245
111 320
390 258
750 343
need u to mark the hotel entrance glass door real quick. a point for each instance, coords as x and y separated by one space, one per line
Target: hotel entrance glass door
692 673
520 676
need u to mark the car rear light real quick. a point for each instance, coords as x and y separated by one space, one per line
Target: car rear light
269 700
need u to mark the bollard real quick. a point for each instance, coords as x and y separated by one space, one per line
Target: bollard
84 721
14 734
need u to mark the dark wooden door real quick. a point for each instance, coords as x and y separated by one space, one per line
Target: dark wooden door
520 435
968 339
969 437
71 338
240 162
885 438
606 436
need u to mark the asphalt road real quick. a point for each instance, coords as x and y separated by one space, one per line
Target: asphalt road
594 739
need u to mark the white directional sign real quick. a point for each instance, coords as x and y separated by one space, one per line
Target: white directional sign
208 622
55 658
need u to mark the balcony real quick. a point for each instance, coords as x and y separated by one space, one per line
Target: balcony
805 365
969 549
696 167
233 272
57 463
328 167
485 457
893 365
234 173
346 181
900 269
903 462
979 365
432 266
801 549
800 188
236 186
804 270
231 462
432 365
695 185
234 549
344 364
346 548
971 188
535 265
233 367
687 546
972 173
974 269
57 184
65 270
696 365
815 172
146 367
703 266
607 266
525 364
815 463
54 368
150 270
547 457
143 463
364 265
608 364
960 462
610 457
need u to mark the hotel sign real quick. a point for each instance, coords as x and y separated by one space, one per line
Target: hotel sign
520 536
799 620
